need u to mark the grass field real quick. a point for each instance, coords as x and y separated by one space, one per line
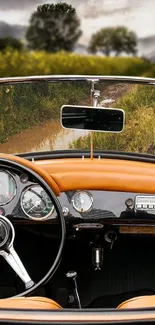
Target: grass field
24 106
139 132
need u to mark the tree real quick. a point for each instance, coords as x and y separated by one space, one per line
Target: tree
117 40
10 42
53 27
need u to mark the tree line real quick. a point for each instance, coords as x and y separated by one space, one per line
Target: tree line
56 27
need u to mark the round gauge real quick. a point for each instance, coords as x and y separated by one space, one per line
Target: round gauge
36 203
82 201
7 187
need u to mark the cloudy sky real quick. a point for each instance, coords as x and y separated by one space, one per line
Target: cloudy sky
138 15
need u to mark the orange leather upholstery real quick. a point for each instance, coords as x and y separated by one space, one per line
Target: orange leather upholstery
100 174
29 303
97 174
25 163
138 302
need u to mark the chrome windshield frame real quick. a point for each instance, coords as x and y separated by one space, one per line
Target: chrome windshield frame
88 78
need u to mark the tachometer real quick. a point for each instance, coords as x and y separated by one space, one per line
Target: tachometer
36 203
7 187
82 201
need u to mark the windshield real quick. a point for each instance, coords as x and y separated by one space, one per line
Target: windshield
30 116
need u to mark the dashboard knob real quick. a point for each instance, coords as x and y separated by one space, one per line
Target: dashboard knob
65 211
129 203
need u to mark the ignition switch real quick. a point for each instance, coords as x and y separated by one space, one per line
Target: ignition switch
110 237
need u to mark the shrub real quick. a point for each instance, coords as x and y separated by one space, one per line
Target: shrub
16 63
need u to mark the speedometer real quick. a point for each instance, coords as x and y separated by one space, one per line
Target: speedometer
36 204
7 187
82 201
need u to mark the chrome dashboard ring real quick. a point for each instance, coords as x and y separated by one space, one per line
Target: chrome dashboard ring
88 196
27 214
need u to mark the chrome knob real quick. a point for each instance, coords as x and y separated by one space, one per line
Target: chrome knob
71 274
65 211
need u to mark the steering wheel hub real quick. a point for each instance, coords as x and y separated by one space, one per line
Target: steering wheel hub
5 233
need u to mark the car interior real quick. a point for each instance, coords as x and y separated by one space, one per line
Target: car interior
76 230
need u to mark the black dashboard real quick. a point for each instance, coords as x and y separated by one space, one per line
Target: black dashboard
22 198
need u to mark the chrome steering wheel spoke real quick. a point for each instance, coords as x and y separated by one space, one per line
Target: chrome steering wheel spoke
7 235
15 262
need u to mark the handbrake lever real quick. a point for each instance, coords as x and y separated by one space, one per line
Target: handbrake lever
71 277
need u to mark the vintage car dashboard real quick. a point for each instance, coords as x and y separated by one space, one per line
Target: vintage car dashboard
92 193
22 199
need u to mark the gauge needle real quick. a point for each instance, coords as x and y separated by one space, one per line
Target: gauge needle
37 203
82 201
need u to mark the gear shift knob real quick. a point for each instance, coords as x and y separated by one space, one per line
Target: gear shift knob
71 277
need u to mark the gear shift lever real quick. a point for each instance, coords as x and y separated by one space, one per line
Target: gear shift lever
71 277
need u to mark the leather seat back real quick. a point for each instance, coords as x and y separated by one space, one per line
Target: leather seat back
29 303
138 302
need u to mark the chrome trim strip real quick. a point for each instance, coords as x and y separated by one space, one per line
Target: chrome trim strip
80 316
55 78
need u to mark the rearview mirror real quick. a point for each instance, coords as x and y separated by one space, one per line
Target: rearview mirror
92 118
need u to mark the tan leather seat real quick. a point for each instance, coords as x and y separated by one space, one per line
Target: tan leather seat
138 302
29 303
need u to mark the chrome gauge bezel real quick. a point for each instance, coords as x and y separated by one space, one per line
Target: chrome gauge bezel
30 217
73 201
15 187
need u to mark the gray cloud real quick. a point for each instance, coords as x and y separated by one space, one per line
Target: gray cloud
6 5
19 11
137 15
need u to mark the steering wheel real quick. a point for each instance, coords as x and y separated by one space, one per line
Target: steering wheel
7 231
